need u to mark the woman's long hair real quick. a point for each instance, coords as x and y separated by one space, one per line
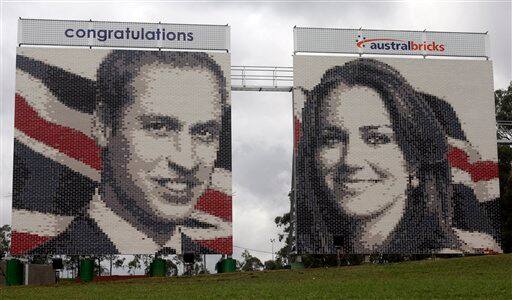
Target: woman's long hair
426 224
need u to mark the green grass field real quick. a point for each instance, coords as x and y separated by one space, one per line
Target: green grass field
488 277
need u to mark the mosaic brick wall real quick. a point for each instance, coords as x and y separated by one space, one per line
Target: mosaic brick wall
121 152
394 155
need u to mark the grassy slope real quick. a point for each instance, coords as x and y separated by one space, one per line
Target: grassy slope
471 277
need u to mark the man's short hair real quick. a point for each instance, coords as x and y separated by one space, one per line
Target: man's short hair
120 67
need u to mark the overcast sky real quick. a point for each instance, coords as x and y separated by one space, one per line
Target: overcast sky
261 34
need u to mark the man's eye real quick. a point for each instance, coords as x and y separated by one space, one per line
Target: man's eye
377 138
205 135
157 128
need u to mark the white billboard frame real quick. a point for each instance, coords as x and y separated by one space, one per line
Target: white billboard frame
115 34
354 41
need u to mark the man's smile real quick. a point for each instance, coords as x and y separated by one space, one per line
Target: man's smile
178 184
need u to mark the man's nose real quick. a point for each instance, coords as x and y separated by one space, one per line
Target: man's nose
182 152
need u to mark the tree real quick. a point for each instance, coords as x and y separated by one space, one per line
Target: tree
71 263
98 268
505 159
319 260
40 259
5 240
115 261
284 222
172 265
503 103
200 268
250 262
139 261
194 268
272 265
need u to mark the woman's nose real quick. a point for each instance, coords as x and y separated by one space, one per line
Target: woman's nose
355 156
359 160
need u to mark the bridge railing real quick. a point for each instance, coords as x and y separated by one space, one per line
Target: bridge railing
261 78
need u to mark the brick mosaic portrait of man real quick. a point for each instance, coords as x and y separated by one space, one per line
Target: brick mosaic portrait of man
162 123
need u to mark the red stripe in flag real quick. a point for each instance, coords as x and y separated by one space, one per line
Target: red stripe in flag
215 203
220 245
22 242
71 142
296 133
479 171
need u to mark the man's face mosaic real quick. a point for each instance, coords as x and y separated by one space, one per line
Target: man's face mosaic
122 152
166 146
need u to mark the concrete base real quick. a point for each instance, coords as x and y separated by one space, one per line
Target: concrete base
40 275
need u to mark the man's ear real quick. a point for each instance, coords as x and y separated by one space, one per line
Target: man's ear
100 130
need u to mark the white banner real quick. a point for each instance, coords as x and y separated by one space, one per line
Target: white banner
363 41
123 34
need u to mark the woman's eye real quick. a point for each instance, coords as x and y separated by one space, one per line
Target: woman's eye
330 139
377 139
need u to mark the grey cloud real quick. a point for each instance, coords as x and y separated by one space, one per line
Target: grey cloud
262 147
254 225
257 169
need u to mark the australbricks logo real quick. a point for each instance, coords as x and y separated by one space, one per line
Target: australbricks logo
397 44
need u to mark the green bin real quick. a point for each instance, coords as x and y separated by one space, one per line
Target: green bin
14 272
228 265
297 265
158 268
86 269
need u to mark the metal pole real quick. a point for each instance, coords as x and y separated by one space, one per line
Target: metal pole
272 243
204 262
26 272
243 76
274 79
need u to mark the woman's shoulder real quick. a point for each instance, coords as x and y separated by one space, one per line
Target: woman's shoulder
472 215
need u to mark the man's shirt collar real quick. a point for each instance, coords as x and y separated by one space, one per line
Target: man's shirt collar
128 239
